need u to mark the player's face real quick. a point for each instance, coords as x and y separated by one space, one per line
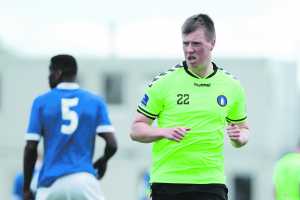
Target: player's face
197 48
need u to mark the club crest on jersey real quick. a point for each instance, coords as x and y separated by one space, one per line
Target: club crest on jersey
222 100
145 100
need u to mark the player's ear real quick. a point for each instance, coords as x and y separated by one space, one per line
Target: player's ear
213 42
58 74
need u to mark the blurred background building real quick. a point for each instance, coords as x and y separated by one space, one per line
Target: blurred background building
273 112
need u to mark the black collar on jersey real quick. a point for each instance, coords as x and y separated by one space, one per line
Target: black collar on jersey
215 67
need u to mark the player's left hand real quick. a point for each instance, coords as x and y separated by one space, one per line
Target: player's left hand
100 167
234 132
238 134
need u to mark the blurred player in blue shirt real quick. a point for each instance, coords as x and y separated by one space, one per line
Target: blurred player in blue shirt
17 190
68 119
17 193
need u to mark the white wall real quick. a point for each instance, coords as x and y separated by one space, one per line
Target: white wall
272 106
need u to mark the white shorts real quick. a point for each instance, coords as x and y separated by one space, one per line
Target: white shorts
78 186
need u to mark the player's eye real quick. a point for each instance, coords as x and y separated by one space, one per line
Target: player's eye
185 44
196 44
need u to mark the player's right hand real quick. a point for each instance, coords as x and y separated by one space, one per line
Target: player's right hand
174 134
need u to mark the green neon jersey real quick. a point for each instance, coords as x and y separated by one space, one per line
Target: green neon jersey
178 98
287 177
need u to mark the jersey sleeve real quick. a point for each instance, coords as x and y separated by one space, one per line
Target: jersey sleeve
152 102
34 130
103 123
237 112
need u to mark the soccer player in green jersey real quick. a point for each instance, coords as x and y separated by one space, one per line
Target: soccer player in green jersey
286 176
193 102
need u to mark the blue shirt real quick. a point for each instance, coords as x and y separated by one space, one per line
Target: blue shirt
18 186
17 192
68 119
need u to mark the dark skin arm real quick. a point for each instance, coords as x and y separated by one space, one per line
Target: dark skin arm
29 160
109 150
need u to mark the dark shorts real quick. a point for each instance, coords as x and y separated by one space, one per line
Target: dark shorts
168 191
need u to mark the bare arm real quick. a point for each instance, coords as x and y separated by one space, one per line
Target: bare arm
238 134
142 131
29 160
110 145
109 150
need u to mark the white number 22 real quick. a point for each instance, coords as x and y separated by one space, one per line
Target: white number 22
70 115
